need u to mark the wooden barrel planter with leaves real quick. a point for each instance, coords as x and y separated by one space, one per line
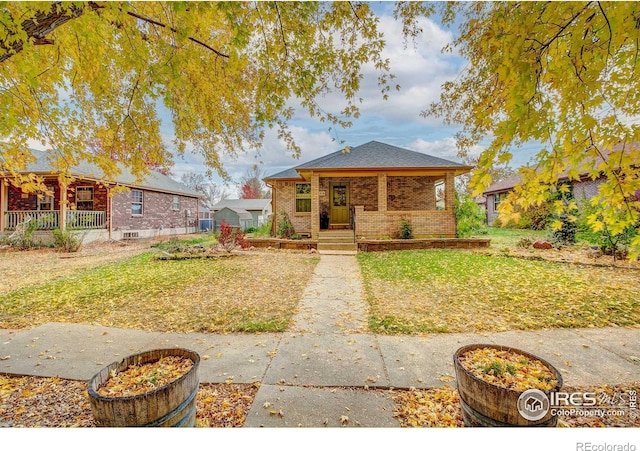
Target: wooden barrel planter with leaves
171 404
487 401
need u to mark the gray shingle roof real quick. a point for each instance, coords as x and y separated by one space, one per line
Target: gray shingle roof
242 214
372 155
243 204
154 180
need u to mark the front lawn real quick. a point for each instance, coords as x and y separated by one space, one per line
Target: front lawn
457 291
249 292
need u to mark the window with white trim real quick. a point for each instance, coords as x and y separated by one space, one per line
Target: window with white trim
175 205
497 198
137 200
303 197
84 198
45 202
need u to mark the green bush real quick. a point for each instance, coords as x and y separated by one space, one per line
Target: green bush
405 231
567 233
470 218
616 245
22 238
67 241
285 228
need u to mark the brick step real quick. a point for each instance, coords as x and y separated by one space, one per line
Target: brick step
337 247
333 239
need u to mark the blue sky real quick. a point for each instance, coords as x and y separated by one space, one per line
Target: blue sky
420 71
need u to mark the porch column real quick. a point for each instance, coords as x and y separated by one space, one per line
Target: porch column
62 221
3 203
109 217
382 192
449 191
315 206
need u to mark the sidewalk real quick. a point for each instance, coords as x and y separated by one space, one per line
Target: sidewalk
317 372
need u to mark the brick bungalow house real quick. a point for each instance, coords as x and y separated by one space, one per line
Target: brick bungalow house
156 205
369 189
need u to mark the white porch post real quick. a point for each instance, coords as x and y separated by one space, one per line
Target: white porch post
3 203
62 221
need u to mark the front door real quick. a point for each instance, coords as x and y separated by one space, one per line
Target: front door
339 204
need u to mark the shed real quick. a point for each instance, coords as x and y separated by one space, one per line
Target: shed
235 217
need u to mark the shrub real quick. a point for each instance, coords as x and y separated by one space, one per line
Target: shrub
566 234
22 236
470 218
404 232
536 218
616 245
67 241
285 228
229 238
251 229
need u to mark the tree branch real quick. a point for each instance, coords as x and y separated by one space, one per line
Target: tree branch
45 23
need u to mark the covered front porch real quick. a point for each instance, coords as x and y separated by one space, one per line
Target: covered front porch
375 205
78 205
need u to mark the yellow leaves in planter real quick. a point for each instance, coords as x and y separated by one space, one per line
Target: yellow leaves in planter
139 379
508 369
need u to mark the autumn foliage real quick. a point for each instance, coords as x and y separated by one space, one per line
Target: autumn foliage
230 238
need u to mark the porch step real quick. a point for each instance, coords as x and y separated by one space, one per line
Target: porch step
341 247
338 241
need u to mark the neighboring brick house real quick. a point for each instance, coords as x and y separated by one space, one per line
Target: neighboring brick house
370 189
582 189
113 209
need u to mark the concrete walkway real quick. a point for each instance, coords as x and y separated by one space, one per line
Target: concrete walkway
317 373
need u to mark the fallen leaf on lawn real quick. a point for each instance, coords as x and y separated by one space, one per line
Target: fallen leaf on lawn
446 378
344 419
634 358
7 357
266 405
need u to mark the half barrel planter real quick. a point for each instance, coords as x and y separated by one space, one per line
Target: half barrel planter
170 405
487 405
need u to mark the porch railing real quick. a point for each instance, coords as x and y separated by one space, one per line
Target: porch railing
50 219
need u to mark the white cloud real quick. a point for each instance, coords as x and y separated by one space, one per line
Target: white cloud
273 157
443 148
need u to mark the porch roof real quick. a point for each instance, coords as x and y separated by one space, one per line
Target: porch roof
373 155
154 181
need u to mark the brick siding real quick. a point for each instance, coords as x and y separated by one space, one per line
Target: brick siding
411 197
157 211
586 189
410 193
424 224
18 202
285 200
100 195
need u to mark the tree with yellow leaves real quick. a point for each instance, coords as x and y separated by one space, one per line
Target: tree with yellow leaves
87 78
563 74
